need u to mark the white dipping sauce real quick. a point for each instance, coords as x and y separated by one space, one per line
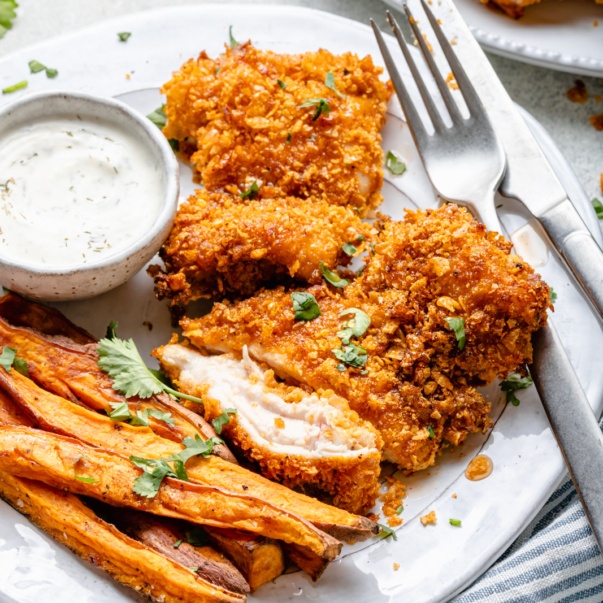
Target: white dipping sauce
74 191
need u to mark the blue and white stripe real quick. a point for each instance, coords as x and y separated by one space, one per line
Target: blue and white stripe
554 560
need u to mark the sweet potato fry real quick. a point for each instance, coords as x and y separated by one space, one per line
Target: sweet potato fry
70 522
56 414
52 459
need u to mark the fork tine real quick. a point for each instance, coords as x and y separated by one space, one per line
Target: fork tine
412 117
473 101
451 105
434 114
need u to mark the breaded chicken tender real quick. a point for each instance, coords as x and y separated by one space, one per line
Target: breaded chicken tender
304 125
407 373
308 441
224 245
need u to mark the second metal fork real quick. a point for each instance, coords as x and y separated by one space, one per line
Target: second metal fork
465 161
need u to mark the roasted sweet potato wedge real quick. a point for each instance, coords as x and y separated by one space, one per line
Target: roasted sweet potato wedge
52 459
132 563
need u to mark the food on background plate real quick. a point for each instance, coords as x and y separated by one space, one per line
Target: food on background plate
301 125
307 441
223 245
514 8
442 306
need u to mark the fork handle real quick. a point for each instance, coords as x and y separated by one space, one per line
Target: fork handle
572 421
573 241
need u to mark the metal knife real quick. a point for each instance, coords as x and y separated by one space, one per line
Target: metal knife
529 177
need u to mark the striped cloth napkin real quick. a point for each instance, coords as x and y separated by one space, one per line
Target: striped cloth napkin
554 560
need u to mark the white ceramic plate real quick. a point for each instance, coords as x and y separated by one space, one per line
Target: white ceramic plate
435 562
558 34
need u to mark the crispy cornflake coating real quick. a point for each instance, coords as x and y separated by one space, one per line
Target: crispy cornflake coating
220 244
240 126
416 387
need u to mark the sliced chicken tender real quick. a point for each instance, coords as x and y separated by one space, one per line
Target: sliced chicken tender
282 122
311 441
220 244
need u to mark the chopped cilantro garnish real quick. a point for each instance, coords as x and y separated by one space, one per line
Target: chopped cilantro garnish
458 326
251 192
221 420
394 164
175 144
431 432
7 14
386 532
355 327
455 522
330 83
288 137
8 359
178 543
197 536
131 376
121 412
18 86
51 73
513 383
305 306
359 238
36 67
86 480
231 39
281 84
351 354
340 367
553 295
399 510
20 366
332 277
598 206
349 249
158 117
124 35
321 104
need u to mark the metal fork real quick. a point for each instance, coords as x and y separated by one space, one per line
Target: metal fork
465 161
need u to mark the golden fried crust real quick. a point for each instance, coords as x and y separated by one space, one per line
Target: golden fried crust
220 244
242 126
442 264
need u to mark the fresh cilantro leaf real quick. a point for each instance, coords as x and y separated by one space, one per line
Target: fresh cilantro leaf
124 35
166 417
458 326
281 84
394 164
141 418
198 447
20 366
553 295
7 358
431 432
386 532
18 86
180 469
340 367
332 277
111 332
359 238
330 83
193 569
51 73
174 144
148 483
231 39
305 306
197 537
513 383
349 249
131 377
36 66
251 192
356 327
598 206
86 480
221 420
7 15
399 510
178 543
158 117
455 522
351 354
321 104
120 412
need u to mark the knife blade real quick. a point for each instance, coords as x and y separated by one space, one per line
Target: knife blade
529 178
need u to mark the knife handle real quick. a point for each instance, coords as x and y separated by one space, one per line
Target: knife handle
572 421
573 241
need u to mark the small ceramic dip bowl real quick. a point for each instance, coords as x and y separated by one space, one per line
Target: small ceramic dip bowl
88 193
